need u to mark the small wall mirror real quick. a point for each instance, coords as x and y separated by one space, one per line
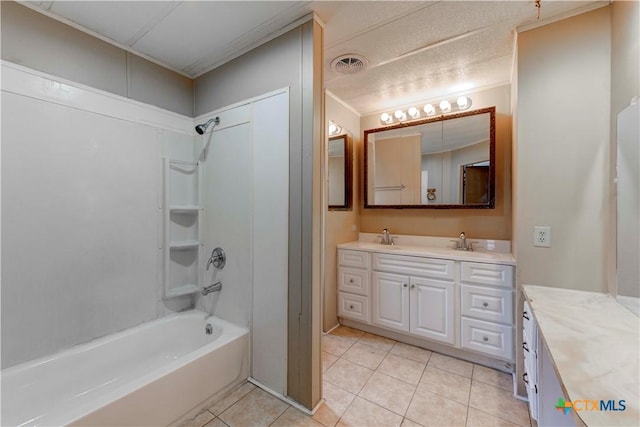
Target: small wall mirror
340 175
441 162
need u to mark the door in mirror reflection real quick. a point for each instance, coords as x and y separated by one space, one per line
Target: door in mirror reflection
475 183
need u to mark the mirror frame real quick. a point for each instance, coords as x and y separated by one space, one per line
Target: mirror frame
492 159
348 174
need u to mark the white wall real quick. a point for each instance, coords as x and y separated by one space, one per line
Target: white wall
628 194
564 80
34 40
625 84
80 198
341 225
227 218
246 173
291 60
561 155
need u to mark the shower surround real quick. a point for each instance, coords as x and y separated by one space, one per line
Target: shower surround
86 187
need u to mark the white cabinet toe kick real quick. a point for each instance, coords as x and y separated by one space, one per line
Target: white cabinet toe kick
461 308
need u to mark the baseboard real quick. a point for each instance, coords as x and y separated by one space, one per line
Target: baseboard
286 399
630 303
500 365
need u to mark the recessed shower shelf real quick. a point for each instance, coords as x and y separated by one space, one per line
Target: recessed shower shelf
184 245
182 290
184 209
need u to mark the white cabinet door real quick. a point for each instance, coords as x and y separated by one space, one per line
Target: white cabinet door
432 309
390 298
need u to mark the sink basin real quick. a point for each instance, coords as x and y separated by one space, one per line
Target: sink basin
444 252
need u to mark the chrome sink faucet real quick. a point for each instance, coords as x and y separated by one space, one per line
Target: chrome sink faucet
462 244
386 237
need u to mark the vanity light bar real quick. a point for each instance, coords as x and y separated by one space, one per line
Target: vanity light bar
413 113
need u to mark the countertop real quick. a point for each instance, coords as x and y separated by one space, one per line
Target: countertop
432 252
594 343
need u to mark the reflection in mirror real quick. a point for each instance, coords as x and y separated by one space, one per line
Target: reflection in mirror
444 162
339 169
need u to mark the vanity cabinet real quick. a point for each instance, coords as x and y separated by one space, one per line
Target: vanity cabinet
486 297
464 304
353 285
415 303
530 352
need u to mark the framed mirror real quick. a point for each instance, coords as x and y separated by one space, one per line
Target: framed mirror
339 171
445 162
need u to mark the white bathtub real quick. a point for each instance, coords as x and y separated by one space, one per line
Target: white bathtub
148 375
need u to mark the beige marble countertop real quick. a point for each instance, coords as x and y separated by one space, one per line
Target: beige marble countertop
432 252
594 343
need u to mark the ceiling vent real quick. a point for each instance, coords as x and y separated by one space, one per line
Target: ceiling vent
349 64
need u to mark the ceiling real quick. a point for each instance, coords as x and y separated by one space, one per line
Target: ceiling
416 50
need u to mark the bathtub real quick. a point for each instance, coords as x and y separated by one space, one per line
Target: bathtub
148 375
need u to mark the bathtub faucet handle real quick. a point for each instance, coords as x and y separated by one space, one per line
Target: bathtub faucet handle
218 258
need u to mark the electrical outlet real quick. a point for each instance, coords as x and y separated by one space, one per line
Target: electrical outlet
542 236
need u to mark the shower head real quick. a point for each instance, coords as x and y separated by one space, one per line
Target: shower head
203 127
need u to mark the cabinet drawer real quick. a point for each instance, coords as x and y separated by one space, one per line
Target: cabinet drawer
353 280
349 258
415 266
487 274
495 305
354 307
485 337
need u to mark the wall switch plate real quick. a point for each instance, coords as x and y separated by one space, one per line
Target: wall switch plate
542 236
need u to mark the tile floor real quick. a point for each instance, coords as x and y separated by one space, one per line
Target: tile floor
374 381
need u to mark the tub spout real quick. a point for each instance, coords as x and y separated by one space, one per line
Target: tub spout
212 288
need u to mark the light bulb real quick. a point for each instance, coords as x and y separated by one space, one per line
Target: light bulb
429 110
400 115
386 118
414 113
463 102
445 106
332 128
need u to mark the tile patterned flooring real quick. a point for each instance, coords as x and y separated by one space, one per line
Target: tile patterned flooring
374 381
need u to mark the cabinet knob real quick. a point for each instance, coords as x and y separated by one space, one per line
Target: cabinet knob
485 304
485 339
351 306
350 280
413 286
404 285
